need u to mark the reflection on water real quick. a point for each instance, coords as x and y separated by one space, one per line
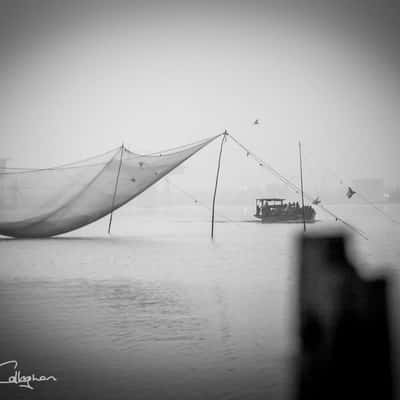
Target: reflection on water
135 331
159 311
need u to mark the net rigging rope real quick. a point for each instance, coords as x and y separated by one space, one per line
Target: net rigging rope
74 164
358 193
196 201
176 149
131 156
294 187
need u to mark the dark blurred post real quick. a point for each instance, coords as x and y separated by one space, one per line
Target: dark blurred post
342 326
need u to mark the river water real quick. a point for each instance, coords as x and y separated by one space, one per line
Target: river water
159 311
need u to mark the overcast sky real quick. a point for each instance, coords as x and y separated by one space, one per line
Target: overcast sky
79 78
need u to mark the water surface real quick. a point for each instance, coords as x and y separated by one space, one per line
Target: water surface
158 310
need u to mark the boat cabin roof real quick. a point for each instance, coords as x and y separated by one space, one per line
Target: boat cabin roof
270 199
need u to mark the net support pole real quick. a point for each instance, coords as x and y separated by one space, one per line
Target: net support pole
302 191
224 135
115 188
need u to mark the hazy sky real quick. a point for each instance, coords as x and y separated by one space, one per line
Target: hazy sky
80 77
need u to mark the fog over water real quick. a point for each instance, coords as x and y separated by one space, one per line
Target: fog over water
79 78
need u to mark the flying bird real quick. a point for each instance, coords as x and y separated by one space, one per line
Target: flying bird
350 192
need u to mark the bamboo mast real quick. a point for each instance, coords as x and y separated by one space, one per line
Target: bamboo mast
115 188
302 191
224 135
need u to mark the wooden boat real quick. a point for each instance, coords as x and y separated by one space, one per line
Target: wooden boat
277 210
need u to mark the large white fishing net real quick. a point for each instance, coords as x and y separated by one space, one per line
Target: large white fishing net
51 201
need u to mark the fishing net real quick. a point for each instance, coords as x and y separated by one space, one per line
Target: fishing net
50 201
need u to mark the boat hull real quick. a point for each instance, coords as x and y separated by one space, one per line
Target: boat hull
284 220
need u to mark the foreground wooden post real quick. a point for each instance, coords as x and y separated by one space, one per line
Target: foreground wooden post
343 331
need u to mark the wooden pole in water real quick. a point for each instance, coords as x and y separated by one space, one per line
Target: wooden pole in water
115 188
302 192
216 183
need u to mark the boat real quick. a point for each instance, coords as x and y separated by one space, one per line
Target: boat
270 210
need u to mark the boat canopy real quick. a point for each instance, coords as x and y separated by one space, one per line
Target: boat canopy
270 199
